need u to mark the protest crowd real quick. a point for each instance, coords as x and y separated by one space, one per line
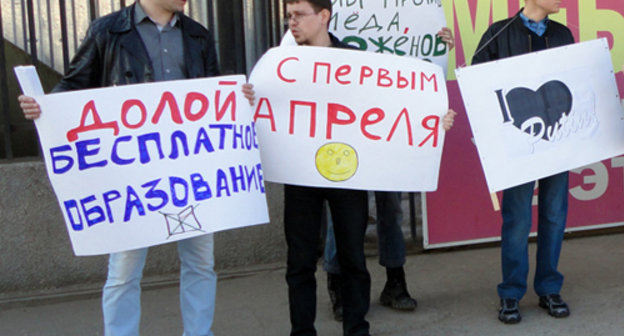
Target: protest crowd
153 41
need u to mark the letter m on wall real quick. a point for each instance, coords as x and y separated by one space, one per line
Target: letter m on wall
469 19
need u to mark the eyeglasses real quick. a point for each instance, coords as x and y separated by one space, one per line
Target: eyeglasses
296 16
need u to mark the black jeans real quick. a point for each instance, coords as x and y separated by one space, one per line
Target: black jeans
302 221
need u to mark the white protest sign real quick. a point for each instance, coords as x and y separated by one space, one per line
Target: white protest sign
543 113
141 165
288 40
403 28
341 118
29 80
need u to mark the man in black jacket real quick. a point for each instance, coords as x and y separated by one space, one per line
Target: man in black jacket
308 21
151 40
530 30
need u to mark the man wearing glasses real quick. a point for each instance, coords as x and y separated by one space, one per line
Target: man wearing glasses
308 21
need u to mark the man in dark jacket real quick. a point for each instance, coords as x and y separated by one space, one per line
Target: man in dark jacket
308 21
530 30
151 40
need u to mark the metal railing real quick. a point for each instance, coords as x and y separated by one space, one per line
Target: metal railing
50 31
4 96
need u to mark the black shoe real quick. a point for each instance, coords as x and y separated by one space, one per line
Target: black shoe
555 305
395 295
335 296
509 312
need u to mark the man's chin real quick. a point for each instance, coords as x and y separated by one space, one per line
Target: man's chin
301 41
180 5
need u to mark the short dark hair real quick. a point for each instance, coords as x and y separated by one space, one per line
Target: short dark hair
318 5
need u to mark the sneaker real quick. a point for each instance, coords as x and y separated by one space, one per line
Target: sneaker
395 295
555 305
509 312
335 296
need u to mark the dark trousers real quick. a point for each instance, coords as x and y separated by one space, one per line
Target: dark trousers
302 221
391 243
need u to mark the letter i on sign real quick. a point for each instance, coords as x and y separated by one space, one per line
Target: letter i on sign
503 105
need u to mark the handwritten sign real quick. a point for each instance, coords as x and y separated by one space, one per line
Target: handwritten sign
398 27
543 113
347 119
142 165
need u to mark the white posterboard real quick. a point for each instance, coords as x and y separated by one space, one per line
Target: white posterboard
542 113
141 165
402 28
341 118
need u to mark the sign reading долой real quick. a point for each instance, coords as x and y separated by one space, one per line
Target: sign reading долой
399 27
543 113
142 165
341 118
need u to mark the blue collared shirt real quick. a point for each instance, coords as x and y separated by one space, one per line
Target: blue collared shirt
538 28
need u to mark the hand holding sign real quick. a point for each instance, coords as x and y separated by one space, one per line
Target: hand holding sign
249 93
31 86
30 107
447 36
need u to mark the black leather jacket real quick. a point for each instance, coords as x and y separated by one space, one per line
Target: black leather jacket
113 53
336 43
515 39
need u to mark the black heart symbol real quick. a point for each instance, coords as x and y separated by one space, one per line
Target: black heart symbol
549 103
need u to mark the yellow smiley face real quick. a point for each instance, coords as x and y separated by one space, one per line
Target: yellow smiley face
336 161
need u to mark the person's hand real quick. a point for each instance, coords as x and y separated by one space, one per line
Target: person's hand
447 36
448 120
249 93
30 107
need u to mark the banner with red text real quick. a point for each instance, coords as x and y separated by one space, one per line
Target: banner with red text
341 118
398 27
462 211
141 165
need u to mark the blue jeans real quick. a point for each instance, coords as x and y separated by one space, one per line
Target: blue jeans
121 296
391 243
517 210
